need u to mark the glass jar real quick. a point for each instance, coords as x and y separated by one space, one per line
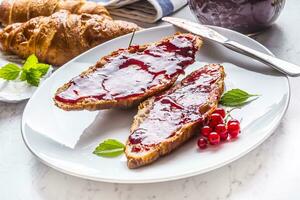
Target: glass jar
245 16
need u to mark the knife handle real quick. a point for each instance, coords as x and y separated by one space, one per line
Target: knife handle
281 65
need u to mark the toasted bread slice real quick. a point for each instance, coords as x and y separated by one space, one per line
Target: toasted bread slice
128 76
165 121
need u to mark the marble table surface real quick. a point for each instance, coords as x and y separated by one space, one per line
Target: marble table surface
268 172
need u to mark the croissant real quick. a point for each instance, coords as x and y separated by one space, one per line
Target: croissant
12 11
60 37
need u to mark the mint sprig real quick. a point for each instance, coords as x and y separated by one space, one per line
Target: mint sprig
109 148
33 76
236 97
10 71
31 71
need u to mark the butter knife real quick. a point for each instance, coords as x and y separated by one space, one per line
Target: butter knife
208 33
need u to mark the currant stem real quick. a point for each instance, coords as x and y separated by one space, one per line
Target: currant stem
228 113
131 39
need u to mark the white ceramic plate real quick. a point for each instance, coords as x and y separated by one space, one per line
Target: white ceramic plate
259 118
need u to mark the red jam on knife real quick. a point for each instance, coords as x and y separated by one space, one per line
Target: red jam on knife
131 74
177 107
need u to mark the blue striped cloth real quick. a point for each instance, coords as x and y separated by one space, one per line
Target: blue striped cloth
148 11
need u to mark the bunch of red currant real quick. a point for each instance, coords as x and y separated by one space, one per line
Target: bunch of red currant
217 129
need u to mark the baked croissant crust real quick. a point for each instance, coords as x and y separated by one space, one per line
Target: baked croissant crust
12 11
60 37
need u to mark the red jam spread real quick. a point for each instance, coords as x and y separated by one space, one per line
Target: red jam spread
132 74
177 107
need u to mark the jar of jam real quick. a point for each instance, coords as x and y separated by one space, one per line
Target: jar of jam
245 16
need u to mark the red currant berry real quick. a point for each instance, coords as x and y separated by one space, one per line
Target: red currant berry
224 136
232 120
206 130
202 143
234 129
214 138
222 131
215 119
220 111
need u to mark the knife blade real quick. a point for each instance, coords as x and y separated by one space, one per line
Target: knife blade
208 33
197 29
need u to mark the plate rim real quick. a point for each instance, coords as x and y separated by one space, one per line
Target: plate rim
166 179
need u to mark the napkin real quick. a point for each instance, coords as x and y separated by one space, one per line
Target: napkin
148 11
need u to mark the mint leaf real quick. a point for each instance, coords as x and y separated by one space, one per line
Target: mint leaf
235 98
10 71
109 148
31 71
43 68
23 76
33 76
30 62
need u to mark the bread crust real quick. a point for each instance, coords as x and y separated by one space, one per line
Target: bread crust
135 160
93 104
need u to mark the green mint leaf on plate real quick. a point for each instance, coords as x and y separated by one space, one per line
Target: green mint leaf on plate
33 76
109 148
236 97
10 71
23 76
30 62
32 71
43 68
